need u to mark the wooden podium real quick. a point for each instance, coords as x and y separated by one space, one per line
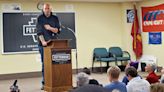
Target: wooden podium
57 66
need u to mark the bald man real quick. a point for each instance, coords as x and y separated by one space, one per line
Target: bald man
47 28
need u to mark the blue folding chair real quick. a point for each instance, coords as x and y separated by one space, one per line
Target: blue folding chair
101 55
119 54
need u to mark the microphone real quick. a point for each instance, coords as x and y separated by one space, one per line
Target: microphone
15 82
14 87
73 32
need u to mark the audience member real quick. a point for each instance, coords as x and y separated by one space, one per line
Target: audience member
91 80
136 84
82 79
152 77
115 86
135 65
162 76
90 88
86 70
157 87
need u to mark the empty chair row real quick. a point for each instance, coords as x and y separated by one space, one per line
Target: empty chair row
113 54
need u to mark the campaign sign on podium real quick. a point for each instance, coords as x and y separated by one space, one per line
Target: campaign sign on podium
61 56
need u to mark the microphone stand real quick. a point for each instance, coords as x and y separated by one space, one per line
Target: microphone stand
76 45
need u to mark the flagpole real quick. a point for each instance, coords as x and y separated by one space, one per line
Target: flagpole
134 23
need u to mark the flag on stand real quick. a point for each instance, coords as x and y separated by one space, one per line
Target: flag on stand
136 34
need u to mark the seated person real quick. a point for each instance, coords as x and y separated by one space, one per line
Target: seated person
135 65
162 76
152 77
91 80
113 75
86 70
136 84
82 79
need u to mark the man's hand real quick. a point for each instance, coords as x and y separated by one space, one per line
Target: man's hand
44 43
47 27
54 30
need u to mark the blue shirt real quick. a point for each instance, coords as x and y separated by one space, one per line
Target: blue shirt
52 20
119 86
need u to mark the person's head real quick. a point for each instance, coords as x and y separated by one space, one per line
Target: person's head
86 70
47 9
157 87
150 67
113 72
131 72
82 79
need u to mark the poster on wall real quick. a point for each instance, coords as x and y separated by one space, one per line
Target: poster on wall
130 15
153 18
155 38
19 31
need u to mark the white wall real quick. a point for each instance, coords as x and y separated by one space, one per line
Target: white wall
97 25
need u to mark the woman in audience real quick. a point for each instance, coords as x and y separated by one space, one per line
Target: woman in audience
82 79
91 80
157 87
152 77
115 86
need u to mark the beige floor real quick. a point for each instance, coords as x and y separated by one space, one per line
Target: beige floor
33 84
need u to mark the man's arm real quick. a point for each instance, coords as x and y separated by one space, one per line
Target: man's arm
39 29
53 29
41 38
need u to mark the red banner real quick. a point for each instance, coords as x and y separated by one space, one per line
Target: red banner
153 18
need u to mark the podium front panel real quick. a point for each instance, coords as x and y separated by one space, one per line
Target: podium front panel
62 67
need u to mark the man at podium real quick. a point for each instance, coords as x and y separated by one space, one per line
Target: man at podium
47 29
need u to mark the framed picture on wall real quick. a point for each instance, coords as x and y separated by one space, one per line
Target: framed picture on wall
130 15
